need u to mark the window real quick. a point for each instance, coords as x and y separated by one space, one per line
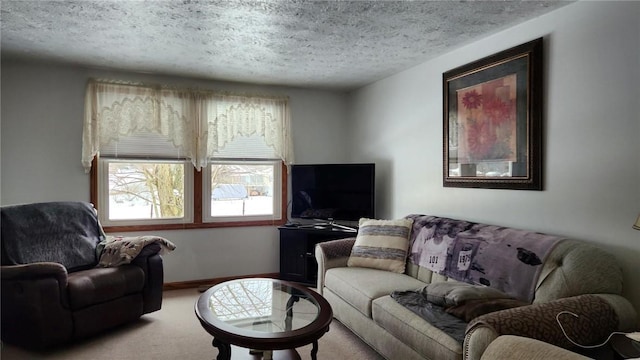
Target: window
174 158
151 191
242 190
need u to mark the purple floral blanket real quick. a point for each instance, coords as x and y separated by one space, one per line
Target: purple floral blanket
506 259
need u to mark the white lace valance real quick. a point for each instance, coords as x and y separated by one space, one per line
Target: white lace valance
198 123
232 116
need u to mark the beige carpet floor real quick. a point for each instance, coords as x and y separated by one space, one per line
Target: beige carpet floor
175 333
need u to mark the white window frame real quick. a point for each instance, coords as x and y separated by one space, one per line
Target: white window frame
277 193
103 194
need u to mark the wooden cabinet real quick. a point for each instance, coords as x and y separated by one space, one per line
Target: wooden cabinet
297 251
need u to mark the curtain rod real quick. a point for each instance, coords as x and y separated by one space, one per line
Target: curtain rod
193 90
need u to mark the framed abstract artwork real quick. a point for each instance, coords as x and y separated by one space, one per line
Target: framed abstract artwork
493 121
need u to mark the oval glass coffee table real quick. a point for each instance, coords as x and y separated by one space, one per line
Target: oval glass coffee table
269 316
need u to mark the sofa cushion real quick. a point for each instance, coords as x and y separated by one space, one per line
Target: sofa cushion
360 286
427 340
94 286
381 244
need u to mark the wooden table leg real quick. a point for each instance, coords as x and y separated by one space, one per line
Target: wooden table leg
289 318
224 349
314 351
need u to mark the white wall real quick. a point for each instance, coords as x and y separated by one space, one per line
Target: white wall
591 142
41 141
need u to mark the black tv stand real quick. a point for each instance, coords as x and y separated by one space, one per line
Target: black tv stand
297 249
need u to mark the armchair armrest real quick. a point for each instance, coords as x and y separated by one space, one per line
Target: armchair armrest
35 304
150 261
597 317
331 254
34 270
26 276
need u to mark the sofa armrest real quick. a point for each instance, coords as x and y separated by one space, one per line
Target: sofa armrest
518 347
626 313
331 254
597 317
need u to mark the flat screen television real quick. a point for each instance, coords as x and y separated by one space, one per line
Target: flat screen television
333 192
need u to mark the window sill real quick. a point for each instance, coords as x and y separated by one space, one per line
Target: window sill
208 225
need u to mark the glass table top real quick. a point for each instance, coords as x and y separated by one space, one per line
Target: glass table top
261 305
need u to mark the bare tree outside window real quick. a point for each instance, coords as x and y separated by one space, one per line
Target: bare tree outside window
146 190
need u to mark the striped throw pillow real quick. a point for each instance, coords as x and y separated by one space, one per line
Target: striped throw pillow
381 244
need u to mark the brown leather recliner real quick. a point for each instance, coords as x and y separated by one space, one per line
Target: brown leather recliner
52 291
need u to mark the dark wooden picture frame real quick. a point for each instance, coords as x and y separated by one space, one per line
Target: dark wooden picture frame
493 121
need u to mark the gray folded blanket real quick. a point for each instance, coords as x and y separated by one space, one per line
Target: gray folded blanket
450 305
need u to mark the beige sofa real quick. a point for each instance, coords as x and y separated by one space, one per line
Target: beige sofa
360 297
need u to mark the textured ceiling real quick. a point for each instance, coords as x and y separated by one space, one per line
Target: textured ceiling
320 44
